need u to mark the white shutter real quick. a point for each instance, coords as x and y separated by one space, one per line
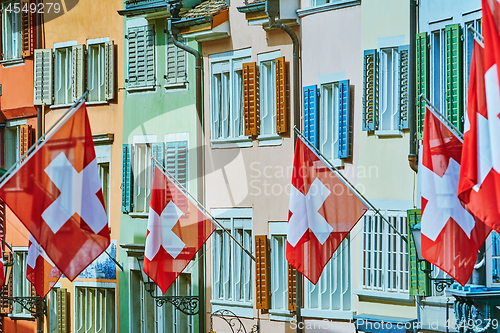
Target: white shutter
176 63
109 84
78 66
43 77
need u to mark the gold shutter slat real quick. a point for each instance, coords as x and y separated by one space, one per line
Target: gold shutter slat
281 99
263 290
250 98
292 289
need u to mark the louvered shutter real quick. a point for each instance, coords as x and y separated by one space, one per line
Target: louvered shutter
176 64
404 80
127 179
1 48
62 310
281 99
6 290
419 282
26 137
262 285
2 224
422 80
158 153
370 90
344 119
453 65
26 29
141 57
250 98
176 160
109 75
43 77
310 110
292 288
78 67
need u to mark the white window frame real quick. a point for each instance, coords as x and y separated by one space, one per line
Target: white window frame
267 96
231 219
385 232
91 69
178 322
492 254
64 82
437 70
96 286
21 287
228 66
389 116
142 171
468 46
11 33
329 121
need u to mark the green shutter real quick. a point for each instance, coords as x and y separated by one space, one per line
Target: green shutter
141 57
453 65
370 90
158 153
404 77
127 179
176 63
419 282
176 160
422 80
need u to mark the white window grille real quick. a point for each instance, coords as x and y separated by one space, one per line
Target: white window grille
267 93
95 310
11 30
328 122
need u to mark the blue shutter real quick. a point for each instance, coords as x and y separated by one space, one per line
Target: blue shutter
370 90
127 179
404 79
176 160
311 114
344 118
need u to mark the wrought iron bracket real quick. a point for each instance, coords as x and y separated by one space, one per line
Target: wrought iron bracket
35 305
441 283
232 320
189 305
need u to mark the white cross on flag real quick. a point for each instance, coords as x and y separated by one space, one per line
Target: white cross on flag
40 270
451 237
56 193
177 229
323 210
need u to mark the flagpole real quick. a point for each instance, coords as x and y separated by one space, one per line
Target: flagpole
348 183
178 184
73 107
443 119
476 33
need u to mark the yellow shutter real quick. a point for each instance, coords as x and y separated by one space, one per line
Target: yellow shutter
292 291
262 272
26 29
281 99
250 98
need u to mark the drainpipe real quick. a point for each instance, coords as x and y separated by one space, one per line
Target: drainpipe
200 154
413 156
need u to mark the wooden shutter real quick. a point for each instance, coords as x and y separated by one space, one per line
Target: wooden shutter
419 282
109 75
26 139
310 110
404 80
26 29
262 285
176 64
6 289
2 224
281 98
292 288
141 56
1 48
453 65
370 90
78 67
250 98
422 80
127 180
344 119
43 77
62 310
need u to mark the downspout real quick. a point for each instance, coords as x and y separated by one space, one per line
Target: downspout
413 156
200 151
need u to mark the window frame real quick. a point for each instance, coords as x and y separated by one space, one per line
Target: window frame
94 285
68 73
490 283
389 90
21 286
8 34
101 43
333 111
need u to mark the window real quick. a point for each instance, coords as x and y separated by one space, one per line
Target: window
279 268
389 83
492 246
58 310
227 97
143 176
11 30
105 183
232 268
18 138
467 49
176 64
437 70
267 98
100 78
171 320
332 294
63 84
385 253
95 310
21 286
141 57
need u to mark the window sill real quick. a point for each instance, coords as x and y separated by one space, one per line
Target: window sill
21 316
338 4
12 62
58 106
182 85
241 309
280 315
327 314
97 103
389 134
269 140
139 89
139 215
241 142
384 295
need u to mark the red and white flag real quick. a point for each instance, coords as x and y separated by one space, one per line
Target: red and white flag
40 270
56 193
451 237
177 229
479 185
323 210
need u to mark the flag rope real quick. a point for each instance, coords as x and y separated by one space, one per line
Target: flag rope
35 146
183 189
348 183
443 119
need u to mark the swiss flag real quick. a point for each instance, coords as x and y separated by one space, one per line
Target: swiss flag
177 229
451 237
323 210
479 185
40 270
56 193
